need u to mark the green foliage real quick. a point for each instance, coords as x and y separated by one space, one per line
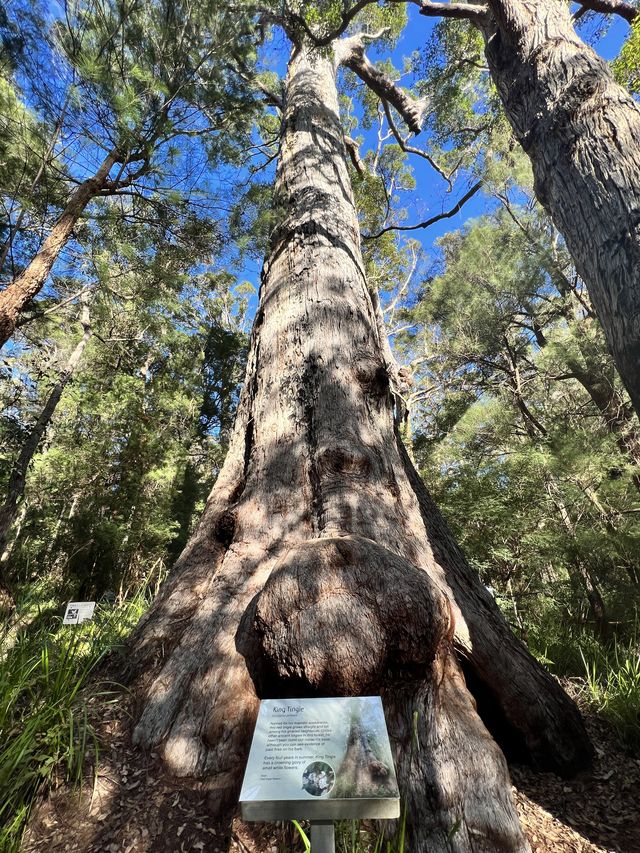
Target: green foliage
151 70
45 733
325 17
613 686
524 438
140 434
464 120
254 216
26 189
626 67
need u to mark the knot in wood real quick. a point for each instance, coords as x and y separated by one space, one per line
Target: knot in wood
344 460
344 616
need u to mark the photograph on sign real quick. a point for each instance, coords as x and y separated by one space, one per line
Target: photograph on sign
324 758
78 612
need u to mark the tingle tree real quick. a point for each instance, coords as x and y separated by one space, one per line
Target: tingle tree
321 565
581 131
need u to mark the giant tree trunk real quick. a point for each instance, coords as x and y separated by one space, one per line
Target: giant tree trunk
321 565
19 292
581 131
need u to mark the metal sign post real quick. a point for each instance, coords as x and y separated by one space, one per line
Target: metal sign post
320 760
323 837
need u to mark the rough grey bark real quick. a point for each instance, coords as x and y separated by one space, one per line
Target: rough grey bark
581 131
18 476
350 52
320 565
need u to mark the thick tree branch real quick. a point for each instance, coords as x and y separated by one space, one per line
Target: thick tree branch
609 7
447 215
350 52
467 11
354 153
327 38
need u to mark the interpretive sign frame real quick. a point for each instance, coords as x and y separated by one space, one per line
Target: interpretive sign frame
321 760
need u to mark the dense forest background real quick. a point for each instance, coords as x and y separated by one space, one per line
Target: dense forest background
119 385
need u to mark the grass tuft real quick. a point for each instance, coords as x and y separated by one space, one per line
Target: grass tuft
613 687
45 735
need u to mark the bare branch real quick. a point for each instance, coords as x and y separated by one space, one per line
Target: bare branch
468 11
409 149
354 153
609 7
324 40
36 316
428 222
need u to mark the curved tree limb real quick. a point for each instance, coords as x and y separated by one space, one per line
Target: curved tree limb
353 149
465 11
410 149
347 17
609 7
350 52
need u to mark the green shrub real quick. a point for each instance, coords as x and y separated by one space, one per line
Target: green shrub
45 735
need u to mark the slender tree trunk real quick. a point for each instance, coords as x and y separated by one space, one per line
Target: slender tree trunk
18 293
617 417
18 476
580 573
321 565
581 131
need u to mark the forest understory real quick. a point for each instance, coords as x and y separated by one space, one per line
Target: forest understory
134 811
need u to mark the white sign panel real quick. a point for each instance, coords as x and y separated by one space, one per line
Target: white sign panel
322 759
78 612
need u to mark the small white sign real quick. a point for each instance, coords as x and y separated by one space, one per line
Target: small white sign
78 612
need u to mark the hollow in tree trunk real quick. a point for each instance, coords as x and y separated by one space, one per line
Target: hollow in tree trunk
321 565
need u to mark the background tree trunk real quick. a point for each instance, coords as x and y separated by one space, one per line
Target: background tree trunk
283 589
581 131
18 477
18 293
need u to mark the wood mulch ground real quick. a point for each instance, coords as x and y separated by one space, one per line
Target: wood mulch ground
597 811
135 809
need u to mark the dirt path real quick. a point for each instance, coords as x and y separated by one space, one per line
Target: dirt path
597 812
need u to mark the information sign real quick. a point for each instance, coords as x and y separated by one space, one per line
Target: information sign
78 612
321 759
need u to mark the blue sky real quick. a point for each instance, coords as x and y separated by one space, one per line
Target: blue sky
430 196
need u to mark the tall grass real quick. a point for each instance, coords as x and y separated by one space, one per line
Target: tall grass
609 672
45 734
613 687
